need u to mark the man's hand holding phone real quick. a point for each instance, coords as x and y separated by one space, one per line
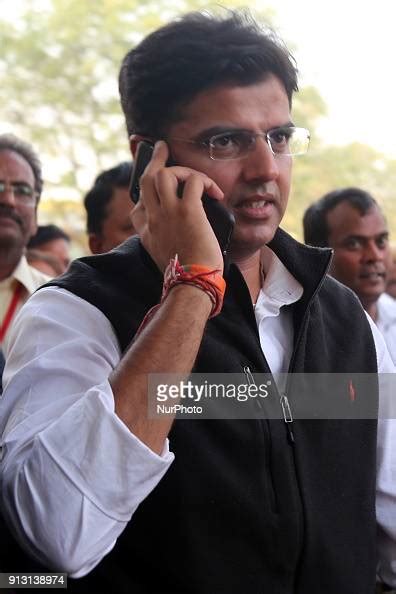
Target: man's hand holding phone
170 224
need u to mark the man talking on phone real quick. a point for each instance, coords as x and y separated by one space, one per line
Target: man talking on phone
91 484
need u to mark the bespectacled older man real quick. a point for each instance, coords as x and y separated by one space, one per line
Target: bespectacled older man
21 184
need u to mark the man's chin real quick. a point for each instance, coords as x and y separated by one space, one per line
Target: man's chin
371 296
253 237
245 249
10 239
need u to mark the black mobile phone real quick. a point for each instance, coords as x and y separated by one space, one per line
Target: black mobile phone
221 220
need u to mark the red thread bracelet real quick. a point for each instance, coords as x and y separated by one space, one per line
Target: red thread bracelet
196 275
209 281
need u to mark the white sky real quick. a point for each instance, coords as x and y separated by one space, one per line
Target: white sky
347 49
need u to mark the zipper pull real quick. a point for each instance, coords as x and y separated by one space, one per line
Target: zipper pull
249 376
288 417
251 382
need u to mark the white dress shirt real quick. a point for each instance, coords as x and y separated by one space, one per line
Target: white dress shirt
72 474
386 322
30 278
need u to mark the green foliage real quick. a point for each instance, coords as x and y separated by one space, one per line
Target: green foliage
308 108
325 168
59 69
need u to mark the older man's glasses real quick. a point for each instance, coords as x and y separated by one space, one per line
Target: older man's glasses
237 144
23 193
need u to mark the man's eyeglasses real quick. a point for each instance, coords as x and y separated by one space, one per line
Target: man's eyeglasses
237 144
23 193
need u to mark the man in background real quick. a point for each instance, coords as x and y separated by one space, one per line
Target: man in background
44 261
391 284
350 221
21 184
53 241
109 207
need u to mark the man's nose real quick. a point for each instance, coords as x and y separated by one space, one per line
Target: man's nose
373 252
261 164
7 195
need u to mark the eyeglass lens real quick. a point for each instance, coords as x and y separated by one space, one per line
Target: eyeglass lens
19 189
287 141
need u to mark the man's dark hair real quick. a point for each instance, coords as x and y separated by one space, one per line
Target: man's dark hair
316 230
99 196
10 142
192 54
47 233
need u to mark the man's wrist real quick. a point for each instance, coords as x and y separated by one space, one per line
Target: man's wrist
208 280
194 295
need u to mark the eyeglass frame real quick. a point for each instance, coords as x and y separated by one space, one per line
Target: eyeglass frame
27 199
208 143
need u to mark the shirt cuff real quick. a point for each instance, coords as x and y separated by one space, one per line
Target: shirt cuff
99 454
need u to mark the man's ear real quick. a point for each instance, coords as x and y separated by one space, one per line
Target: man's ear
95 243
33 223
134 140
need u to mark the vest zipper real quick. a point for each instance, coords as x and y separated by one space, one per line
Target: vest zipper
284 402
286 408
249 376
264 424
287 417
300 333
251 381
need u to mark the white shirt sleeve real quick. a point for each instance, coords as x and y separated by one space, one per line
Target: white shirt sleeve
386 463
72 473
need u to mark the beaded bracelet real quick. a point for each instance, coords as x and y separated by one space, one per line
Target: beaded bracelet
209 281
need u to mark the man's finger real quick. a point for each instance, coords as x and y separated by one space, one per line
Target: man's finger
182 174
159 158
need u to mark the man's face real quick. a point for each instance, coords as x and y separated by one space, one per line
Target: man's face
391 284
361 250
60 248
17 216
256 188
117 226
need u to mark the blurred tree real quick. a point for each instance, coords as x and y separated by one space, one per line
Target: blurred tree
308 108
58 72
58 67
327 167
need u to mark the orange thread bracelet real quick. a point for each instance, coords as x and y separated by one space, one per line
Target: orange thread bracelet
209 281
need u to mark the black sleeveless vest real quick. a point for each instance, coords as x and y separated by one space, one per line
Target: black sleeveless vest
243 509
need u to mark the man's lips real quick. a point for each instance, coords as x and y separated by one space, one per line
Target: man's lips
372 275
7 219
257 206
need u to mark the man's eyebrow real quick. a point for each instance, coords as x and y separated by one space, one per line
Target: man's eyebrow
221 129
355 236
15 182
214 130
288 124
365 237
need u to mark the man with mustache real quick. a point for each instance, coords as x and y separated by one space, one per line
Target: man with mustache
350 222
129 503
20 189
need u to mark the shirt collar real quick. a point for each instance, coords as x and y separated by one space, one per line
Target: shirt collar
24 274
279 286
